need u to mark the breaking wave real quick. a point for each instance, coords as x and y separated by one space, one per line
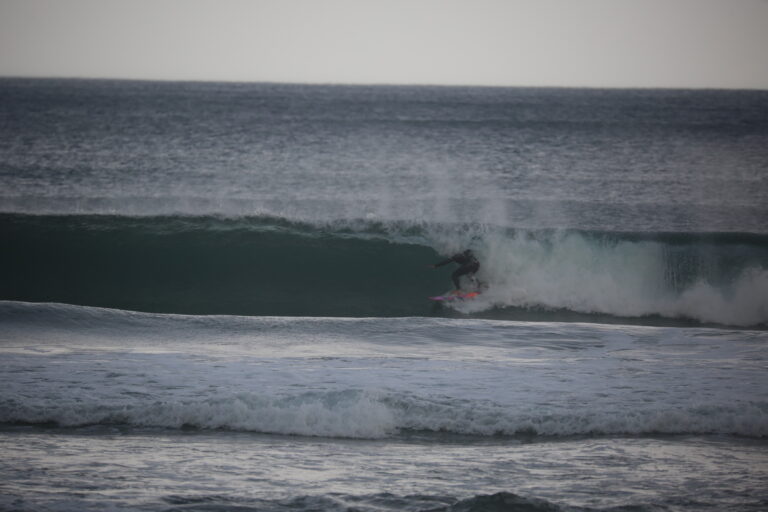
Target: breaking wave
275 266
367 414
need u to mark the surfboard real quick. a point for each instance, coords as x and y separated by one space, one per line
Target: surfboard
458 296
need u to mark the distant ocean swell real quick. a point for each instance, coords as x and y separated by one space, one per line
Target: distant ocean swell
274 266
500 501
365 414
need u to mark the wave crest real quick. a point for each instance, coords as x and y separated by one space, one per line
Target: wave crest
373 415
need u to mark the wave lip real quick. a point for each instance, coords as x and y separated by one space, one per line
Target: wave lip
362 414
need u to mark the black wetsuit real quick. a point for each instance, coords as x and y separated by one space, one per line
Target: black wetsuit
468 265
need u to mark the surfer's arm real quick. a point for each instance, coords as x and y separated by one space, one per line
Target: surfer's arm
449 260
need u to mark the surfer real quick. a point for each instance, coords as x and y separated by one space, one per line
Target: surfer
468 266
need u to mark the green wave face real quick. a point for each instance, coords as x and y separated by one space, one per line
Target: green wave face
275 266
212 266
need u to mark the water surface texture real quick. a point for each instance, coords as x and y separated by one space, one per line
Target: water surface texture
214 297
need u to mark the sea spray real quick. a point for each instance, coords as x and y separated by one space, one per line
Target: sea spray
626 275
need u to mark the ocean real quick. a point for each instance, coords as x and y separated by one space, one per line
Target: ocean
214 297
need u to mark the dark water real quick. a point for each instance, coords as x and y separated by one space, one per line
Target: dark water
621 160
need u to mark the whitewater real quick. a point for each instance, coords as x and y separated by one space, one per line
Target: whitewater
214 297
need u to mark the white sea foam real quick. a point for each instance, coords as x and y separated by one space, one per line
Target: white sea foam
358 414
351 415
376 377
572 272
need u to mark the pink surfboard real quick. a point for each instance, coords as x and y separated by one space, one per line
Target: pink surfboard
457 296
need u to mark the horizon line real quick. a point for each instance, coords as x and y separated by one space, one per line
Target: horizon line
379 84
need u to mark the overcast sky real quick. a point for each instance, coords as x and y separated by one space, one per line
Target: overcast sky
595 43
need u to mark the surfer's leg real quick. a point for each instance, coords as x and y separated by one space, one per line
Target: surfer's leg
455 277
461 271
464 270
